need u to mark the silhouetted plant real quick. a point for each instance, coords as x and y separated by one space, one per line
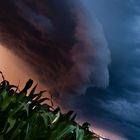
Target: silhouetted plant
24 116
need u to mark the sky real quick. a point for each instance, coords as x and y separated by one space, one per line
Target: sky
85 52
14 70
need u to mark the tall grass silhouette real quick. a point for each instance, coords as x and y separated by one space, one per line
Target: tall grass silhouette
25 115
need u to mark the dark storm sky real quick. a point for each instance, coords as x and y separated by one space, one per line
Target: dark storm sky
61 38
69 46
117 108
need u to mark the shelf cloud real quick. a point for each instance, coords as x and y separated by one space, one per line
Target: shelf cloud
59 40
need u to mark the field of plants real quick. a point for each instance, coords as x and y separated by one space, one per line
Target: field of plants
25 116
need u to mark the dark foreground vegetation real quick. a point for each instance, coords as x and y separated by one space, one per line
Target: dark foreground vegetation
25 116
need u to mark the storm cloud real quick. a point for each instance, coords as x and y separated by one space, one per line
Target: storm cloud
65 45
117 108
59 40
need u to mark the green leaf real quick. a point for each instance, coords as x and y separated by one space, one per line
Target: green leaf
62 131
79 133
11 123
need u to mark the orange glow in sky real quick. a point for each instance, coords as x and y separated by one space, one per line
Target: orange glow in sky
14 69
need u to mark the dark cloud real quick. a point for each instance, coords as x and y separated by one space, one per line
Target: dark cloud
59 40
67 48
117 108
